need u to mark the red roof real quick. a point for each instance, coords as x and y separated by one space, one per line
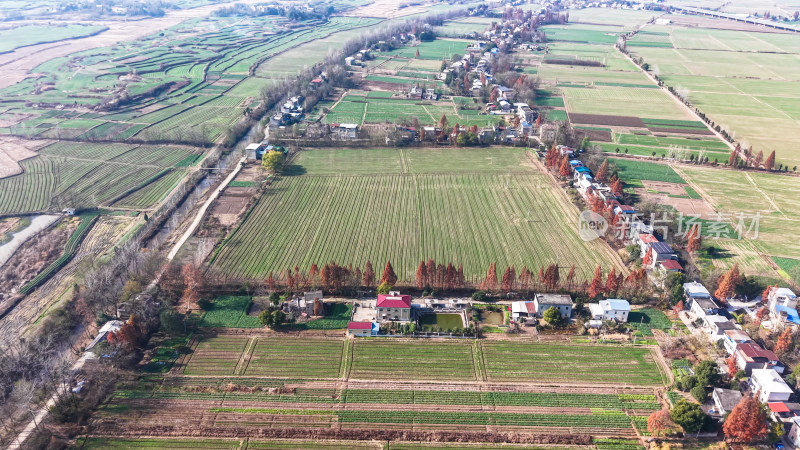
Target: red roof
648 238
671 264
531 307
752 350
359 326
394 301
778 407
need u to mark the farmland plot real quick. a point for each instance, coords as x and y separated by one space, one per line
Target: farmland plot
395 384
85 175
529 361
464 206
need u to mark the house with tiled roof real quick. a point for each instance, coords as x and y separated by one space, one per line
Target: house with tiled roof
393 306
750 356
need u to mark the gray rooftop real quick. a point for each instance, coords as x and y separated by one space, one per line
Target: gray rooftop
728 398
554 299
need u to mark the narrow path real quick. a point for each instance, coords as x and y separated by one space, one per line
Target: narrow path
201 213
677 100
42 413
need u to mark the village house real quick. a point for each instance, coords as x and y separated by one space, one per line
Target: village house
394 306
782 303
668 266
717 325
770 386
732 339
562 302
750 356
344 131
725 400
362 329
794 432
784 412
112 326
610 309
523 309
643 240
699 300
547 133
661 251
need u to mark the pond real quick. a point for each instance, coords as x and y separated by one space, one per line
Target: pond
440 322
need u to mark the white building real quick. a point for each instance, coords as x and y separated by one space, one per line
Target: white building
610 309
794 432
563 303
770 386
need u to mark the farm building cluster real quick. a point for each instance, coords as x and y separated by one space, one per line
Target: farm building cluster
762 366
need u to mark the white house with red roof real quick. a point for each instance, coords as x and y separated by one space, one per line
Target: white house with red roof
362 329
393 306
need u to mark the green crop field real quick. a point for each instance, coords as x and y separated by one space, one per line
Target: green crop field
436 49
87 175
230 311
314 382
744 81
517 362
632 172
424 360
466 206
13 38
646 319
624 101
764 206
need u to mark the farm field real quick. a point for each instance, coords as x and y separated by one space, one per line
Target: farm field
368 359
14 38
294 444
767 195
744 81
413 197
371 109
190 84
371 384
87 175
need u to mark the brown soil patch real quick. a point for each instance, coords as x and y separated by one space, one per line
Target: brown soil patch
686 206
663 186
600 119
13 150
594 135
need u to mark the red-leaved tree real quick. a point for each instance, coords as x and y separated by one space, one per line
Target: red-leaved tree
747 422
596 285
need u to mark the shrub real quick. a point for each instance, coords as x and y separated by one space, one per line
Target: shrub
699 393
479 296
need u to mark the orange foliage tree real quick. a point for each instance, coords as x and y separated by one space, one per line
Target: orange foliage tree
596 286
747 421
491 277
727 284
388 276
193 281
784 343
659 421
